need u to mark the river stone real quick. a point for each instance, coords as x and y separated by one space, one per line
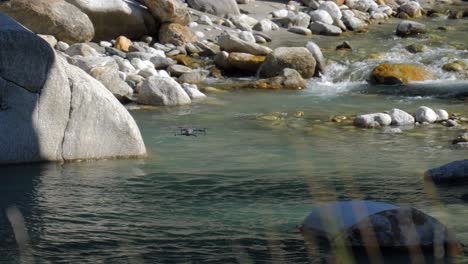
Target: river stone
221 60
301 19
332 9
192 91
263 25
314 49
161 62
247 36
51 17
462 139
177 70
297 58
401 118
169 11
193 77
245 61
55 111
157 90
231 43
321 16
324 29
81 49
410 28
451 172
106 71
49 39
288 79
353 23
399 74
361 5
176 34
300 30
373 120
442 115
219 7
412 9
426 114
112 18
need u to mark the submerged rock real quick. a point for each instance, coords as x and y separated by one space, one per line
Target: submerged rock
298 58
399 74
373 120
410 28
451 172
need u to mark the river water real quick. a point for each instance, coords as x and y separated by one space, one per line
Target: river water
236 194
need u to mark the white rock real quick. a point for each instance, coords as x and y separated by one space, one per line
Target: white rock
442 115
247 36
322 16
164 73
192 91
315 50
158 90
105 44
141 64
200 34
148 72
205 20
193 24
62 46
425 114
373 120
280 13
332 9
401 118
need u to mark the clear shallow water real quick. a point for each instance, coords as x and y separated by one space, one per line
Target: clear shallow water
235 194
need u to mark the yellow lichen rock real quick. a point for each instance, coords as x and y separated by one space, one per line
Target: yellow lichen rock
399 74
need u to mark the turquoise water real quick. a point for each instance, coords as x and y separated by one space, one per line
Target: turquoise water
237 193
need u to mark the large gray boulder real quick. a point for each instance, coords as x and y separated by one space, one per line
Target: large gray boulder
53 111
168 11
321 28
232 43
401 118
315 50
106 71
298 58
157 90
452 172
219 7
51 17
425 114
113 18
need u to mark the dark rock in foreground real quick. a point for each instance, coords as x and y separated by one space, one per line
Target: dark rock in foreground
451 172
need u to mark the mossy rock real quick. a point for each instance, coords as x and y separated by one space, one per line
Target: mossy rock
455 66
416 48
399 74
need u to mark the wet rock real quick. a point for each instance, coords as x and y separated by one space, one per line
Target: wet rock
410 28
416 48
176 34
463 138
345 45
113 18
399 74
219 7
234 44
58 18
373 120
324 29
193 77
221 60
455 66
245 62
451 172
169 11
289 79
314 49
157 90
297 58
401 118
425 114
192 91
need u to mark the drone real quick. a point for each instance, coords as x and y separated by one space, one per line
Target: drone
194 132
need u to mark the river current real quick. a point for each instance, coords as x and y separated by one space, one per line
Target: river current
236 194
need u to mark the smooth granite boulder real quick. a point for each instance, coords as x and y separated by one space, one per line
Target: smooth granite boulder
157 90
298 58
219 7
169 11
51 17
373 120
234 44
53 111
113 18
